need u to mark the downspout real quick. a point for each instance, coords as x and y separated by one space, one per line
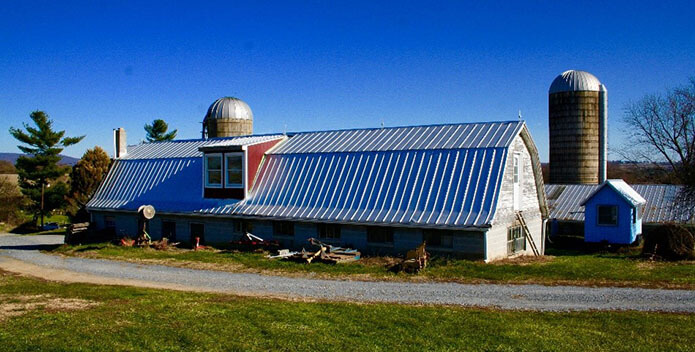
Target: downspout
603 134
544 233
485 258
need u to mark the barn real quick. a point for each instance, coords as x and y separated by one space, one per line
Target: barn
469 189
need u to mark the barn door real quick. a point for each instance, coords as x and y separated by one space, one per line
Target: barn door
517 179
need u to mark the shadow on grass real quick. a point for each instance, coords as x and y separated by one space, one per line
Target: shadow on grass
93 247
25 228
29 228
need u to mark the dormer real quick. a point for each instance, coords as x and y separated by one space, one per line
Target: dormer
230 164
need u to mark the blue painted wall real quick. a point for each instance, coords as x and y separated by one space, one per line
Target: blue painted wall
625 232
222 230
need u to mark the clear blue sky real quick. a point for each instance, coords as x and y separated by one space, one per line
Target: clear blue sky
327 65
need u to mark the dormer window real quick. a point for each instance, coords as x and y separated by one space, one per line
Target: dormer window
235 171
213 170
224 175
230 164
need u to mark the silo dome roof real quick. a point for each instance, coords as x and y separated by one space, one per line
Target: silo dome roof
229 108
574 80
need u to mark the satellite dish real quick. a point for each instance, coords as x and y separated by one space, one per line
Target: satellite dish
147 211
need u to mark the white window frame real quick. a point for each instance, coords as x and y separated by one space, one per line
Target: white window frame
206 171
228 184
516 180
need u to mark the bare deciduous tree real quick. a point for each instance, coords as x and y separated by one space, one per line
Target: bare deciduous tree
662 129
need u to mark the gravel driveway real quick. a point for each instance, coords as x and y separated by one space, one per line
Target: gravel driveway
25 249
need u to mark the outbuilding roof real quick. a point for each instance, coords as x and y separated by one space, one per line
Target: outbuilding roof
662 202
429 176
621 188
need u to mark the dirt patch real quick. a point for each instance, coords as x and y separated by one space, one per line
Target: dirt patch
16 305
525 260
380 261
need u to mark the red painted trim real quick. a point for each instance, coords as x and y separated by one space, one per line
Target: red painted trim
255 155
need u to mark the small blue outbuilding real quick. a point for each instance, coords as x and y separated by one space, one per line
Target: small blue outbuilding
613 213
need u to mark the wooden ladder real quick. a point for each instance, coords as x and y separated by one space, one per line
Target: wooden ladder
527 233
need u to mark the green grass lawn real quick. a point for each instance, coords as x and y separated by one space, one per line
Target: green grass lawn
559 267
129 319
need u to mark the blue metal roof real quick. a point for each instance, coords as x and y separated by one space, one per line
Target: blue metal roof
430 176
239 141
188 148
170 185
450 136
429 188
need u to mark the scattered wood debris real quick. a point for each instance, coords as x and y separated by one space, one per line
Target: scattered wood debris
251 242
164 244
415 260
326 253
76 233
161 245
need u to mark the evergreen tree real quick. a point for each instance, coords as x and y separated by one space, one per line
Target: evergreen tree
157 131
39 172
85 178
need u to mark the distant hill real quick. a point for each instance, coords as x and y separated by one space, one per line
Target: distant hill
12 158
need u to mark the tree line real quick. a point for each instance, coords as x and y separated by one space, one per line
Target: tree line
45 186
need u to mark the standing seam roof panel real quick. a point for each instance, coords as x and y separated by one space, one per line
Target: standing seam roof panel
170 185
662 203
362 194
452 136
442 175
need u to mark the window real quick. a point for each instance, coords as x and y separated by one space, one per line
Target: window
243 227
213 170
635 214
516 241
379 235
109 222
169 230
328 231
608 215
235 175
516 168
197 230
283 228
438 238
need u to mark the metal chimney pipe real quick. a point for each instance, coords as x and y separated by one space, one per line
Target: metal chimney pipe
119 143
603 134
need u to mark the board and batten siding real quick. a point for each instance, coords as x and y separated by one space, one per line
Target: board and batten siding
496 237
